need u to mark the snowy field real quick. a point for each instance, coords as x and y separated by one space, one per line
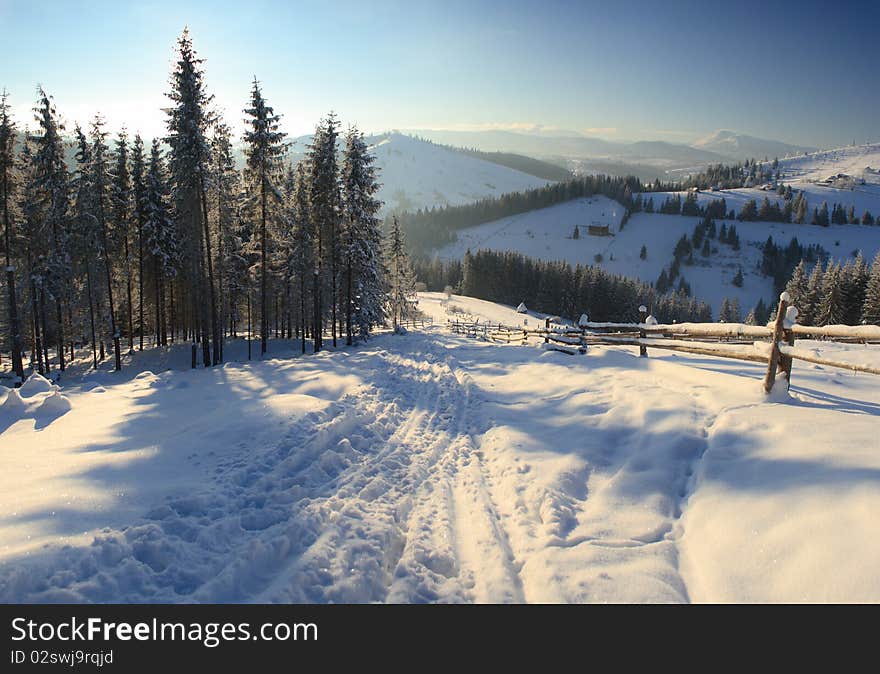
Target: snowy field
546 234
431 467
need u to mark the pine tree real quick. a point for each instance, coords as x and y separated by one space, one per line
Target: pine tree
140 208
121 206
265 146
363 250
7 198
229 204
724 313
871 306
52 181
302 245
86 236
855 282
324 213
643 253
100 180
738 278
822 215
160 237
798 289
190 166
809 312
831 308
400 275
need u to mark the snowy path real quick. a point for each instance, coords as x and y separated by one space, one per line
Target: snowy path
431 468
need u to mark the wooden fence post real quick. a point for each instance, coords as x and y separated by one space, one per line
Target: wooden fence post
547 328
643 316
194 356
778 330
785 362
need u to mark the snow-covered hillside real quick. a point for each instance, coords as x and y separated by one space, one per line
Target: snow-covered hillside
417 174
740 146
547 234
860 161
432 467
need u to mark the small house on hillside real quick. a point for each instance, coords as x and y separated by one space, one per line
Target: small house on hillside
598 230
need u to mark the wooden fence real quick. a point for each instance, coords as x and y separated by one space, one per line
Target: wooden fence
416 322
773 345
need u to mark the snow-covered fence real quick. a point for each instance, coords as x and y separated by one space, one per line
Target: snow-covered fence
772 345
416 322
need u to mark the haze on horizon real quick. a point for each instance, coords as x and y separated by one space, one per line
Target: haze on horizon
638 71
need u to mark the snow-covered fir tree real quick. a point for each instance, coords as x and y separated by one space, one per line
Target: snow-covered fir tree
401 280
362 252
53 184
871 306
324 213
189 119
120 195
10 234
831 309
140 208
160 239
264 147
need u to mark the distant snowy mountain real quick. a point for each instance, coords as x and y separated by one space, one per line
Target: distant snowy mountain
741 146
659 154
418 174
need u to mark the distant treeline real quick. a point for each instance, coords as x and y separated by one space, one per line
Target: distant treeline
557 288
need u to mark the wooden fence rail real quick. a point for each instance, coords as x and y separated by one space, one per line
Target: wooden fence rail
772 345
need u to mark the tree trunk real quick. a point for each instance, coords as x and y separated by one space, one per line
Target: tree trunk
215 326
128 290
14 326
264 316
91 315
45 332
59 314
141 280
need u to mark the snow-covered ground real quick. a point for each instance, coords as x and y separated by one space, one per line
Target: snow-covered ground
547 234
432 467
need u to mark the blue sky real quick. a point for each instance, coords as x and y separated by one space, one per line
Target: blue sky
803 72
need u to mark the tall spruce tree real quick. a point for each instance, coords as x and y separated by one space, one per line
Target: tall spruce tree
7 201
100 179
86 236
120 194
139 214
188 122
324 214
160 237
871 306
302 245
264 149
53 182
401 280
831 309
364 297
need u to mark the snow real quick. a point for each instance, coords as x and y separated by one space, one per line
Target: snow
416 174
546 234
433 467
